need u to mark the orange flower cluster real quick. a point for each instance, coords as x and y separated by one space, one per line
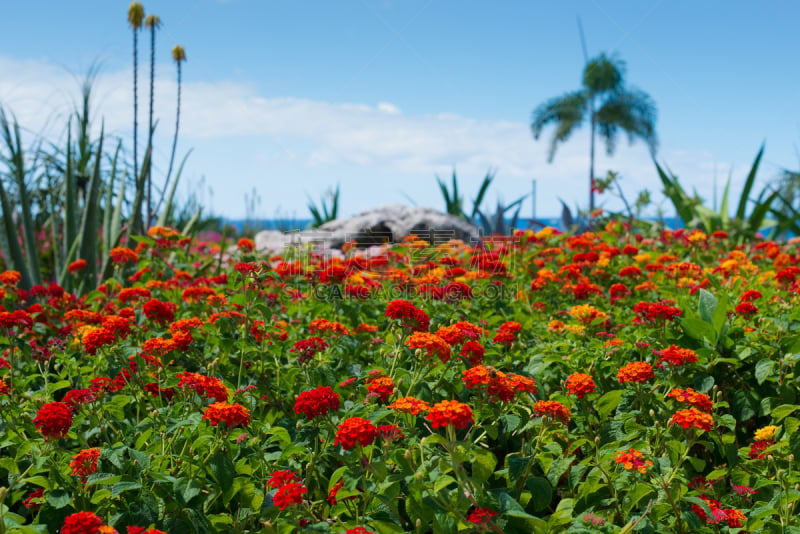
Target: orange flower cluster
84 463
450 412
636 372
123 254
552 409
457 333
580 384
230 414
410 405
693 418
692 398
433 345
324 325
497 383
381 387
586 314
10 278
633 459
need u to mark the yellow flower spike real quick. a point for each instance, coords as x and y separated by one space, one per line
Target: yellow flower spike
152 21
136 15
178 54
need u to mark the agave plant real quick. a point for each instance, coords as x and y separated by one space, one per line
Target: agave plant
454 203
496 223
743 225
328 209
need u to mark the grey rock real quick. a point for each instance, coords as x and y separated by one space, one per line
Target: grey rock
387 224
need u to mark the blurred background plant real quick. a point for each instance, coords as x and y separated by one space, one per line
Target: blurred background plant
772 210
328 209
70 198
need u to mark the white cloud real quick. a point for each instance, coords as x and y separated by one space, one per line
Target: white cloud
240 136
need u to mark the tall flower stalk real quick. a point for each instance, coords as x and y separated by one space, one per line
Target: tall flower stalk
152 22
135 18
179 55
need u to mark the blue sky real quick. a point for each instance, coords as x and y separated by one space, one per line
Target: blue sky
288 98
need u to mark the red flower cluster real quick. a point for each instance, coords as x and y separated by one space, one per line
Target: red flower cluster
280 478
757 447
731 516
692 418
481 516
307 348
160 312
82 523
676 356
355 430
123 254
84 463
15 318
205 386
230 414
636 372
53 420
656 313
450 412
289 494
552 409
412 317
316 402
77 266
580 384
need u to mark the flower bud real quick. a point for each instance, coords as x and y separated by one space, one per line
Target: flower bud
299 425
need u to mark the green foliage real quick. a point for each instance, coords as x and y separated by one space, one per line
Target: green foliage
328 209
744 225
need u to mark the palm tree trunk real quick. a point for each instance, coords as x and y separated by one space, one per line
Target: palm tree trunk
591 165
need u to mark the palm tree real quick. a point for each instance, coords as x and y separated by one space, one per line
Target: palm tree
609 106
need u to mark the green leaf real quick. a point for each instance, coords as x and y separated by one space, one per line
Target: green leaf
541 492
763 370
706 304
483 464
780 412
222 469
609 402
58 498
698 330
120 487
442 483
517 465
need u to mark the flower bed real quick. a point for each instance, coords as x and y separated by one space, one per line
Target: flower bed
541 383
